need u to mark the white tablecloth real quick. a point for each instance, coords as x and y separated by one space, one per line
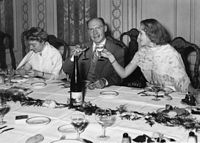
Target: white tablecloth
61 116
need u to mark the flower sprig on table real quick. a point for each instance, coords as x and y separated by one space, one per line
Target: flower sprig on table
88 108
184 120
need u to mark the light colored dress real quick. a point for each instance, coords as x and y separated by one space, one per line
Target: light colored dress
163 66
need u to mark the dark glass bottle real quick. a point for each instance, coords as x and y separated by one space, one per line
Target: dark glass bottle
126 138
76 88
192 138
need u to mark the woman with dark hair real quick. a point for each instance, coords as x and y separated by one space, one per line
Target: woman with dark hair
43 60
160 63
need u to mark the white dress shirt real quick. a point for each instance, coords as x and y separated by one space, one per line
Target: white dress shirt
47 61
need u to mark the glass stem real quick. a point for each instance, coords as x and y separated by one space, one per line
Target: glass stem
104 131
78 135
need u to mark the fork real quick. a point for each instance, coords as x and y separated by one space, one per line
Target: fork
5 130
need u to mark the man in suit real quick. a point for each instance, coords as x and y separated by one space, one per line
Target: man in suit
99 72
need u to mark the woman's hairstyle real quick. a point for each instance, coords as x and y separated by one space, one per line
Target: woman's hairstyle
156 32
37 33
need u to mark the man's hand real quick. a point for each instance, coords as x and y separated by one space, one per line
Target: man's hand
99 84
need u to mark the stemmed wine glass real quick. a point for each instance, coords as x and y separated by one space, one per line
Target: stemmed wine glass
105 118
84 49
4 109
79 122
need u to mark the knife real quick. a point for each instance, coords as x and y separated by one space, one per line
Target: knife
8 129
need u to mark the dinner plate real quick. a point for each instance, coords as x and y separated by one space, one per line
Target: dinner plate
38 120
108 94
67 128
38 85
67 141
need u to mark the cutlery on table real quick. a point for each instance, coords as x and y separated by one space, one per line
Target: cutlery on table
5 130
3 127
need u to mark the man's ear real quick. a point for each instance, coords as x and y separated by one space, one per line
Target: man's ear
105 28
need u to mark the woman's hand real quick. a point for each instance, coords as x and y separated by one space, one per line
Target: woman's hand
106 54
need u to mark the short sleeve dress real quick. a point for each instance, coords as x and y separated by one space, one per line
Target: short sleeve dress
163 65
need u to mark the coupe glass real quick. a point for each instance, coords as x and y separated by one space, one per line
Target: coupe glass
79 122
99 51
83 50
105 118
4 109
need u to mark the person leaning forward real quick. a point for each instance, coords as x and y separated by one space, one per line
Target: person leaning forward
43 60
99 73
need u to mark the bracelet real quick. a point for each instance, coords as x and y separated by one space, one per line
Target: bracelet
113 61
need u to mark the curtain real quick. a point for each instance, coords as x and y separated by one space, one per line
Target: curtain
6 16
6 33
72 17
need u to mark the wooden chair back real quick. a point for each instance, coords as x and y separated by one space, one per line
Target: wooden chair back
136 79
185 48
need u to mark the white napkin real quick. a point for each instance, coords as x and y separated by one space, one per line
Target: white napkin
25 59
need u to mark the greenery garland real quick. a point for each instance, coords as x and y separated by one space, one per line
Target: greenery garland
88 108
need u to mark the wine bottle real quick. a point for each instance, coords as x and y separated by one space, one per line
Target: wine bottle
76 88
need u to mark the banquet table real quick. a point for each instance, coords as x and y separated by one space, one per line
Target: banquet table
128 96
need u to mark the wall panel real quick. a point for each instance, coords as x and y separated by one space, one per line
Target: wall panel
179 16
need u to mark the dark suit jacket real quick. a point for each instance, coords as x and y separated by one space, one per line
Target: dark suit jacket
104 68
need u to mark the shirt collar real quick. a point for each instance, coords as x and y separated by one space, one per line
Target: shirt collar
99 45
44 49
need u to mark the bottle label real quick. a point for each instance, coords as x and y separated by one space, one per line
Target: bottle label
77 98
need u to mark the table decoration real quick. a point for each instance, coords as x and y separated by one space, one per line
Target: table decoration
189 100
179 117
19 89
157 91
17 96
